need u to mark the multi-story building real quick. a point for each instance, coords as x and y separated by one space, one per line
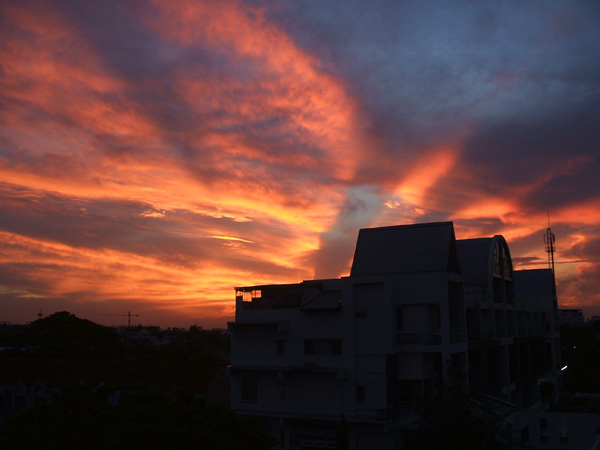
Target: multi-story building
511 316
364 353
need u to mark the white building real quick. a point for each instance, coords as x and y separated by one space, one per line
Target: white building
369 350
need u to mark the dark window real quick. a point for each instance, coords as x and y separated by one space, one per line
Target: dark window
280 347
309 347
336 347
434 317
564 434
543 424
361 394
410 392
249 390
399 318
322 347
20 402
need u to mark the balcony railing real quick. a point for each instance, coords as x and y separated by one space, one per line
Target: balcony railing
419 339
457 336
488 334
374 414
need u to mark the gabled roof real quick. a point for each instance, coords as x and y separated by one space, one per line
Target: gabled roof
475 260
403 249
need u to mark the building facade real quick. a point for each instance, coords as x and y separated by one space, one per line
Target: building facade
512 323
358 357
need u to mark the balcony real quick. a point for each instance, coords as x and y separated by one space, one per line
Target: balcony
373 414
457 336
419 339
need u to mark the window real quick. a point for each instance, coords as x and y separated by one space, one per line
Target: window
323 347
497 259
249 390
564 434
507 271
399 318
525 434
543 424
410 392
544 438
280 347
249 295
434 318
361 394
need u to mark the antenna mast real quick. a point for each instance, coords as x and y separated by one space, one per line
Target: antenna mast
549 240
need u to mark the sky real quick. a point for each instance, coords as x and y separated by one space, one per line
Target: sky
156 154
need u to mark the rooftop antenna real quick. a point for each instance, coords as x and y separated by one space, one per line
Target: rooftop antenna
549 240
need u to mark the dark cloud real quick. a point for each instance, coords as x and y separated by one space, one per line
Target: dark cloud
421 70
561 151
527 261
112 29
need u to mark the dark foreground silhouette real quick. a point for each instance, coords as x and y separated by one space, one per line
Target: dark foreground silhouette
83 418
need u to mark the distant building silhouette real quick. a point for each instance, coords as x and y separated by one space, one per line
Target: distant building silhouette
419 313
571 317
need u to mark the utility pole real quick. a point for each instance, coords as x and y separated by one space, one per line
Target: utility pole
128 315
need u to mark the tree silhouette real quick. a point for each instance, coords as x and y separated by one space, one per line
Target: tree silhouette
83 418
64 335
450 423
581 355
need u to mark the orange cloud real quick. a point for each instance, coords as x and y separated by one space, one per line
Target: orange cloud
425 173
101 275
74 87
291 83
579 213
246 145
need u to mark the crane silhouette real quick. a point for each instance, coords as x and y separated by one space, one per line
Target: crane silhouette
128 315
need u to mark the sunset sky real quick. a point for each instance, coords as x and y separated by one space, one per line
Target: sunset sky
155 154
